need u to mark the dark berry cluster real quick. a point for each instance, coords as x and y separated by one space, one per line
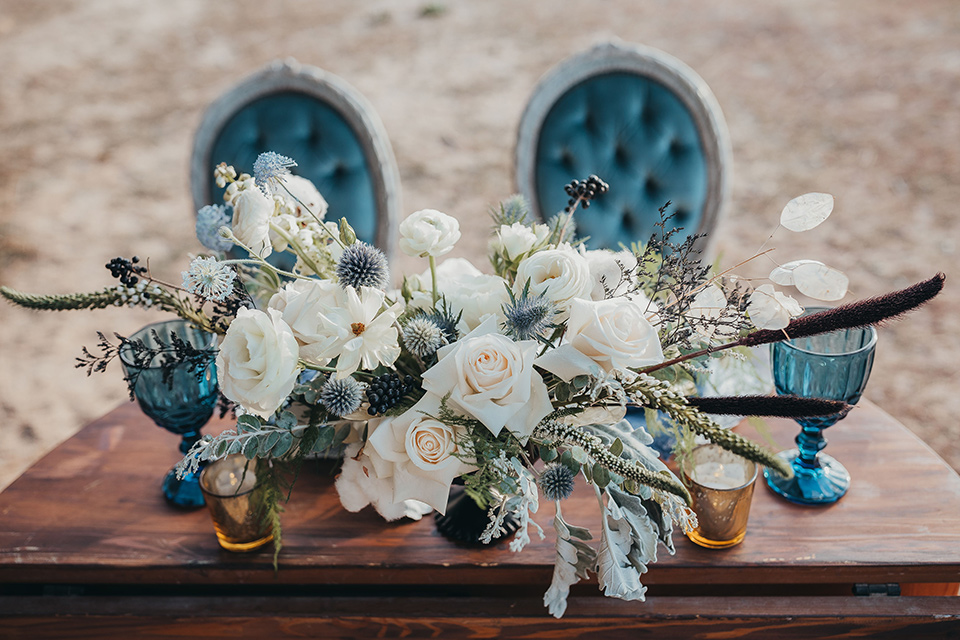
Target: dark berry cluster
584 191
384 392
126 270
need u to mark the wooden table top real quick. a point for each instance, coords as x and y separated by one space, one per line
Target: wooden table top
91 512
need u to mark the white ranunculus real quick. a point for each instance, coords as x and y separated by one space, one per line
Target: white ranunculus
257 364
612 334
428 232
302 197
252 212
491 378
419 454
359 485
475 296
770 309
516 239
307 307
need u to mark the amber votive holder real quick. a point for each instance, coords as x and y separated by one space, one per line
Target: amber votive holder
235 501
721 486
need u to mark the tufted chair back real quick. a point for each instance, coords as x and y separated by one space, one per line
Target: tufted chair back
645 123
320 121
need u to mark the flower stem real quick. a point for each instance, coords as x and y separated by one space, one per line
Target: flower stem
433 277
314 216
297 249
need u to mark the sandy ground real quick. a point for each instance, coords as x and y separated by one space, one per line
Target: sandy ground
99 101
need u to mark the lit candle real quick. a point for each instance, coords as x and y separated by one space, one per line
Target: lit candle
720 475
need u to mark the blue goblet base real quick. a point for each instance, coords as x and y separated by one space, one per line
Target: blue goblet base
185 493
824 484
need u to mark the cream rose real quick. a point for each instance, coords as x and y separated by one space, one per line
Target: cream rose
428 233
257 364
611 272
419 454
491 378
360 484
609 334
560 275
251 220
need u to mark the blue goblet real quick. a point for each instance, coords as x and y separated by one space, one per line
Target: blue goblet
833 366
180 396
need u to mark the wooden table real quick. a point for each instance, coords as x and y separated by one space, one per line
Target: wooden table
89 549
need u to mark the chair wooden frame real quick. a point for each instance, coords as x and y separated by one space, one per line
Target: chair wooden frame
617 56
290 75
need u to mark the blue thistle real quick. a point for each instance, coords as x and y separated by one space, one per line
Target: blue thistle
556 481
341 396
362 265
528 317
270 166
422 337
513 209
209 220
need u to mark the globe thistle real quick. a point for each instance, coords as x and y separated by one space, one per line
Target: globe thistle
556 481
209 278
341 396
269 167
362 265
528 316
209 220
422 337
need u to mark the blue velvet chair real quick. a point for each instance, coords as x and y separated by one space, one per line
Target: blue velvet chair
320 121
645 123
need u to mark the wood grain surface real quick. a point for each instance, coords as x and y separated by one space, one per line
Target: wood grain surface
87 513
89 549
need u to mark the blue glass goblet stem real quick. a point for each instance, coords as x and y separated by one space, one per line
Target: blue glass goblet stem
833 366
179 396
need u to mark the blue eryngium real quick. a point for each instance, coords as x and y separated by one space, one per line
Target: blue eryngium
362 265
341 396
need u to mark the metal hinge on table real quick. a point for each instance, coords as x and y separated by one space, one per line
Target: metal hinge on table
888 589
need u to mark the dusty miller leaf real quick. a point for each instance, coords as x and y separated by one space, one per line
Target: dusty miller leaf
573 562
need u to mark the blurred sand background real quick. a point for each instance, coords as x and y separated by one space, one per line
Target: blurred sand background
99 100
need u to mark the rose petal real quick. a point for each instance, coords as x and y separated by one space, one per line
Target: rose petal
807 211
820 282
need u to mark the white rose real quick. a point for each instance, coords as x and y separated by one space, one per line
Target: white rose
419 453
613 334
302 197
770 309
251 220
560 275
491 378
306 306
517 239
257 364
359 485
428 233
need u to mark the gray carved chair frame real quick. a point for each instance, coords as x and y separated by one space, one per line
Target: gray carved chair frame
668 88
357 161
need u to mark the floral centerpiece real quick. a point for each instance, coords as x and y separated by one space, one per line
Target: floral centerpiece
513 382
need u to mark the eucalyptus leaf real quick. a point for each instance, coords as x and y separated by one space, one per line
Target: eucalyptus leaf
283 444
617 447
324 439
548 454
250 448
269 442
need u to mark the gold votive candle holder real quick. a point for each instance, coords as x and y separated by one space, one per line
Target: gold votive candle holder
235 501
721 486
